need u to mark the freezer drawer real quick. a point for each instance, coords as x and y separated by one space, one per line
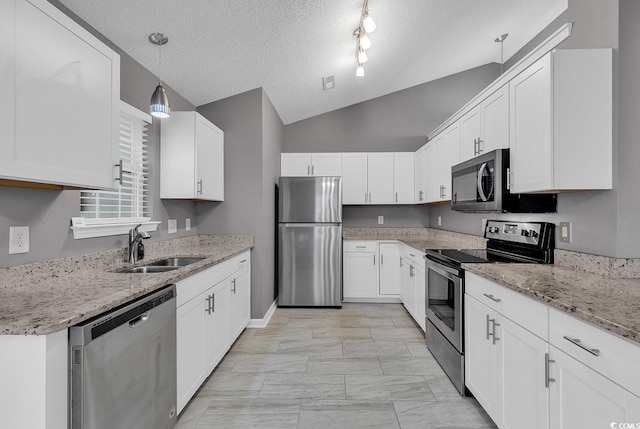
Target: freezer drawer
310 265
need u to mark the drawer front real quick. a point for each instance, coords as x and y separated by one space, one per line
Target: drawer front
525 311
414 255
360 246
192 286
239 262
617 358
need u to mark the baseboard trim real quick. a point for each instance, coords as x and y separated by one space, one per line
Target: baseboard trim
376 300
262 323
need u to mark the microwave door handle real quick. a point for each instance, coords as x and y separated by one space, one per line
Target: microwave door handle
483 167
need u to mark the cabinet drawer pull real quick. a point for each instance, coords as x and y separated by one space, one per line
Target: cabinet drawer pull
401 261
492 298
547 379
200 187
488 321
579 343
234 286
411 254
208 309
381 259
374 259
243 261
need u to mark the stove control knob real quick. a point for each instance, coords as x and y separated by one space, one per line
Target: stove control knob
493 230
533 233
524 232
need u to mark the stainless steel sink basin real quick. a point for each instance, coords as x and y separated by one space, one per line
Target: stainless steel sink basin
175 262
151 269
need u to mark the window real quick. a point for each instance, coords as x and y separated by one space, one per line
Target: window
115 212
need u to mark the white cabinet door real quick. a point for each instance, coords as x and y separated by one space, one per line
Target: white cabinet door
420 175
521 362
191 158
420 285
582 398
209 158
216 328
430 162
470 133
190 340
63 87
531 156
295 164
354 178
360 274
390 268
410 287
481 372
239 302
495 121
403 177
380 178
447 154
326 164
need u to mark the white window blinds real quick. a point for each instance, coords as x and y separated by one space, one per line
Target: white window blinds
131 200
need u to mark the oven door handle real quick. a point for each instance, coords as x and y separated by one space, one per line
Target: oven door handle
439 267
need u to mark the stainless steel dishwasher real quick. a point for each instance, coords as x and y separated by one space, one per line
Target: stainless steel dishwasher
123 366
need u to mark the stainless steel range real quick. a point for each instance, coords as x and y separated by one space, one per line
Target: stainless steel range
523 242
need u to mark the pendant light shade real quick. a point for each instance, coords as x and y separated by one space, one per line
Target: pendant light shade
160 107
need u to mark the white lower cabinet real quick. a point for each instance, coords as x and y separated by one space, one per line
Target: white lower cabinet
531 366
414 285
360 270
389 268
213 309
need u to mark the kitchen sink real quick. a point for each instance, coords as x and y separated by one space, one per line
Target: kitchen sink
175 262
147 269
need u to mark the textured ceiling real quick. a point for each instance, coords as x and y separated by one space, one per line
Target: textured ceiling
220 48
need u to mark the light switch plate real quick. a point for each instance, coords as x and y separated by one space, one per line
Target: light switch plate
380 220
18 239
565 232
173 226
439 220
187 225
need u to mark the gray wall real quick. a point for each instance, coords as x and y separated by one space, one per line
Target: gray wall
601 220
48 212
253 136
395 122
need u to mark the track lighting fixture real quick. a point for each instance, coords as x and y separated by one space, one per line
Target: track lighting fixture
366 25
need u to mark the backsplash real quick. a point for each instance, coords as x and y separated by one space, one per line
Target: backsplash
618 268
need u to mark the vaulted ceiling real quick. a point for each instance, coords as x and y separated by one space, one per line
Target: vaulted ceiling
219 48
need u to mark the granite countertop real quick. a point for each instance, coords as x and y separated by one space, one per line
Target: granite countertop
418 238
609 303
46 297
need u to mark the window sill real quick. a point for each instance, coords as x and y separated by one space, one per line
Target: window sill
91 228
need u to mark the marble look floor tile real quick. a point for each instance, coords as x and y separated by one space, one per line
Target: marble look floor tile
311 347
307 387
344 365
443 389
440 415
390 334
271 362
342 333
400 365
403 322
191 414
285 333
418 348
366 322
387 387
375 348
252 406
348 414
294 312
242 421
256 344
229 380
316 322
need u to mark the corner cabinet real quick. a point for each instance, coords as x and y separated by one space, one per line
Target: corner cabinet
561 122
213 308
60 104
191 158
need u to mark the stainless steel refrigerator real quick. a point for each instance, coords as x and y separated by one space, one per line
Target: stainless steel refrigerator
310 242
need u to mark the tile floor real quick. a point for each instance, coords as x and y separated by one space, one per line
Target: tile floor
362 366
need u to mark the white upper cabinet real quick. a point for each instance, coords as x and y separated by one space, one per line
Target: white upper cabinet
446 154
561 122
403 177
60 99
310 164
420 190
191 158
354 178
486 126
380 178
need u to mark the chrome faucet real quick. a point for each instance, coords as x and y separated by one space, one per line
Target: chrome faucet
135 237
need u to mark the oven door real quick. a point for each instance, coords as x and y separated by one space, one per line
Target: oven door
444 301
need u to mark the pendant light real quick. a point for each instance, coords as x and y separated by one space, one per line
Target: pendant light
500 39
159 105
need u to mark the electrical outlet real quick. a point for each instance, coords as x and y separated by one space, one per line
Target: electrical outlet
187 225
439 220
380 220
18 239
173 226
565 232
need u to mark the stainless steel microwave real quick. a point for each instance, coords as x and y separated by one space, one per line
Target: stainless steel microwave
481 184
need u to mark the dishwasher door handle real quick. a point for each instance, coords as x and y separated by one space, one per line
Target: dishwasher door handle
137 321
